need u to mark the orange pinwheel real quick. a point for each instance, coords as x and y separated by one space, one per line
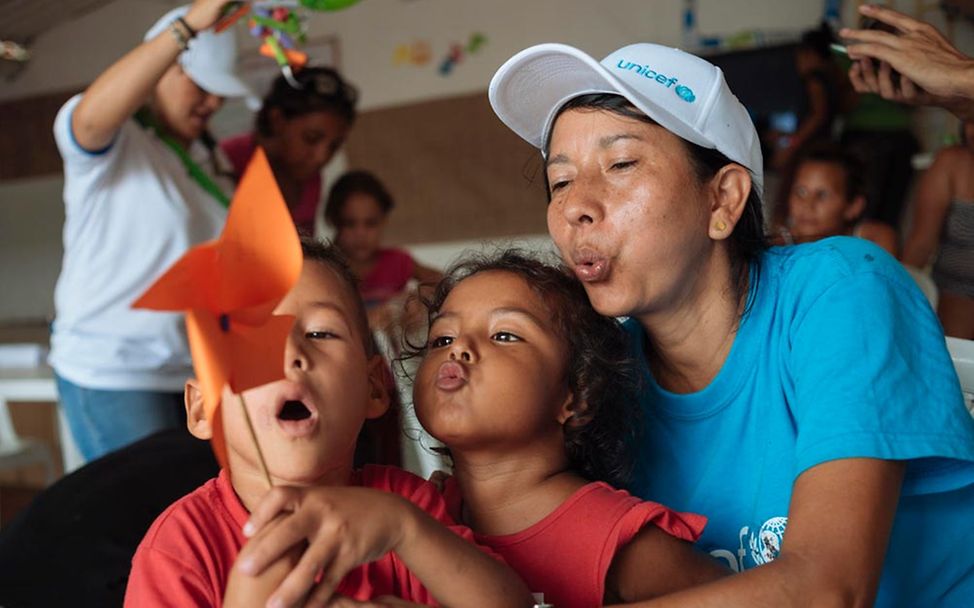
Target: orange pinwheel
229 288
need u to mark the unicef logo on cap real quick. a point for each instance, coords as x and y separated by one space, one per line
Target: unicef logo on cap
683 92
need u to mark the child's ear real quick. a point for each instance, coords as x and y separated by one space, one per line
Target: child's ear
855 209
378 391
196 421
573 412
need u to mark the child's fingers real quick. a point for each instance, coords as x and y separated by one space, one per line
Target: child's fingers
273 541
336 564
301 580
275 502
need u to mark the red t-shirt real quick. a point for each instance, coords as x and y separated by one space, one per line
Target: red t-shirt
392 270
186 556
241 148
567 554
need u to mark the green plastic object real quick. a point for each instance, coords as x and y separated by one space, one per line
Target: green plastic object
328 5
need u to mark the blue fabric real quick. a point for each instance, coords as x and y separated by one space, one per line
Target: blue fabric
838 356
103 421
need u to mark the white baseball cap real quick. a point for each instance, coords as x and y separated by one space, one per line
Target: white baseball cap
211 59
685 94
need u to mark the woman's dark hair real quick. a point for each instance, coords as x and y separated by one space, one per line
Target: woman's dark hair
356 182
747 241
852 166
322 90
601 438
818 40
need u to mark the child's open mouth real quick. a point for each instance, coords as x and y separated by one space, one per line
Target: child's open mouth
297 418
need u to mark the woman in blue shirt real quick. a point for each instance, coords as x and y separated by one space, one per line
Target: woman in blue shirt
801 397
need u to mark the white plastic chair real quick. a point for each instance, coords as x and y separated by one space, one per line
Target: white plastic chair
17 452
962 354
417 455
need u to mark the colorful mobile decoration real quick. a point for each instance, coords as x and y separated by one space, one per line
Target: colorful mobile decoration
458 52
416 53
228 289
280 28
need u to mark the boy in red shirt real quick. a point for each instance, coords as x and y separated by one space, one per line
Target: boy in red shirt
385 543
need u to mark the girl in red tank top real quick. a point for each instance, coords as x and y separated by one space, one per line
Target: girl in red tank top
533 393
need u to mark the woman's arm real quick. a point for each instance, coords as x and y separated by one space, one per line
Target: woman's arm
815 119
932 202
839 522
125 86
345 527
655 563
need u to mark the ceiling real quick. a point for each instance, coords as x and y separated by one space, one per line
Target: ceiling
24 20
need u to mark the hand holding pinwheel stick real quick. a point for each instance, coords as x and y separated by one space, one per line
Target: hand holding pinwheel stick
229 288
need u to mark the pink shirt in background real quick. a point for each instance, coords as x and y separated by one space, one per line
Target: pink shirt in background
239 149
391 273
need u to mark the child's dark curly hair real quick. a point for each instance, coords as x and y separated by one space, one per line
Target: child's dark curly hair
600 438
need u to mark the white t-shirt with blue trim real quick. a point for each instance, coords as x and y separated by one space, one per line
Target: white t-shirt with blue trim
131 210
839 356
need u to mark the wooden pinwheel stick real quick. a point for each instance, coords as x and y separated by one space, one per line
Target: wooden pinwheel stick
253 436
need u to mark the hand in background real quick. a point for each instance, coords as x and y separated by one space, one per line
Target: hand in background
204 13
932 71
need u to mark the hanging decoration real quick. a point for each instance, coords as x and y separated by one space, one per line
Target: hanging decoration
280 27
458 52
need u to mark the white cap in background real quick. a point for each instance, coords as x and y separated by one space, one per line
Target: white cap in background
211 59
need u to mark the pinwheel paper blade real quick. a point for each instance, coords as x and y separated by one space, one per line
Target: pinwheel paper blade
229 288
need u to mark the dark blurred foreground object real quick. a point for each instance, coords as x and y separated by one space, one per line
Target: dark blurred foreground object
73 545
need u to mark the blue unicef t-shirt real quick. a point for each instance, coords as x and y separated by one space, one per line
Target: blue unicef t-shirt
839 356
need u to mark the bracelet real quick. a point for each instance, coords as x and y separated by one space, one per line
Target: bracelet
189 30
180 37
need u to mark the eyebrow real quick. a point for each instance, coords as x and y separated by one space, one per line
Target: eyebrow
498 312
322 304
521 312
604 142
608 140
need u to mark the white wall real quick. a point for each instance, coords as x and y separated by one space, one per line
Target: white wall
71 55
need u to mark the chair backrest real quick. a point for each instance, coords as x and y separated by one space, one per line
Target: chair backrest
962 353
9 440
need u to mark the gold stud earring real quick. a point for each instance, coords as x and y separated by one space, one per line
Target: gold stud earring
720 226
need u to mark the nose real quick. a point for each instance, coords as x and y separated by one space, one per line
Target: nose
462 350
295 360
213 102
322 154
583 204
